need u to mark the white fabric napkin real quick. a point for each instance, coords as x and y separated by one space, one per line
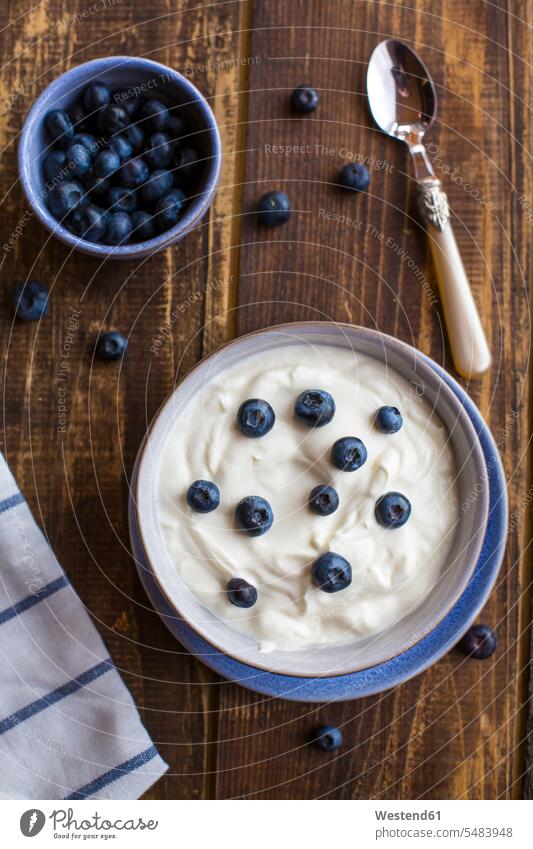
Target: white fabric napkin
69 728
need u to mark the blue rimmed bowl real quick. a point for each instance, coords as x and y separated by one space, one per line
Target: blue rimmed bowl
154 80
181 608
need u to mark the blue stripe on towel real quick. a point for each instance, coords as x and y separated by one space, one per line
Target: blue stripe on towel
56 695
10 502
114 774
34 598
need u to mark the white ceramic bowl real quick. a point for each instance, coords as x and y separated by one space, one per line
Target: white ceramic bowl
147 538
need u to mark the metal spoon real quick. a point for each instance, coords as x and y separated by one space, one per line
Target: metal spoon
403 103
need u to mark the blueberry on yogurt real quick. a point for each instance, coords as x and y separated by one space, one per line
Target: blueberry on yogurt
255 418
314 407
203 496
254 515
392 510
348 454
328 738
241 593
323 500
389 419
331 573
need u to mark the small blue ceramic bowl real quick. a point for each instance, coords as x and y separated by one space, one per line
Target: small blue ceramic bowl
154 81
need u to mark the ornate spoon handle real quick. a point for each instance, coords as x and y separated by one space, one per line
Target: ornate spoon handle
470 351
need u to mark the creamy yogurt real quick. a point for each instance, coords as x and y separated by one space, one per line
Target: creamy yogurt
392 569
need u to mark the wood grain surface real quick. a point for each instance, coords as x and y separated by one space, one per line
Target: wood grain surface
459 730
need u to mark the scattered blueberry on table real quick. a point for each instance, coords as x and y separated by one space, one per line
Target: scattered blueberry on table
304 99
479 642
331 572
255 418
203 496
111 345
392 510
389 419
254 515
323 500
274 209
241 593
315 407
355 176
30 300
108 142
328 738
348 454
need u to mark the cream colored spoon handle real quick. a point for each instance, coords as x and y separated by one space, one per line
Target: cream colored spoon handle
468 343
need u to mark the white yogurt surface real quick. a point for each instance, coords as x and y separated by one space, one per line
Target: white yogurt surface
393 569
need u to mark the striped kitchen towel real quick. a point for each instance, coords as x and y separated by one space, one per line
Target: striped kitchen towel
69 728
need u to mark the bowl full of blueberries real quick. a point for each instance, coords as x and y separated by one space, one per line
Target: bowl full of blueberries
120 157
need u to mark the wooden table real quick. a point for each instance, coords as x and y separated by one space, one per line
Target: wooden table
458 730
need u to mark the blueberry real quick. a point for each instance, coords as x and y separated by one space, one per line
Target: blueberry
59 126
389 419
187 162
255 417
112 119
54 165
135 136
143 226
134 173
176 126
88 141
118 228
88 222
168 209
95 97
241 593
203 496
30 300
97 186
154 115
304 99
122 200
392 510
274 209
355 176
323 500
106 163
254 515
78 160
315 407
111 345
126 98
348 454
79 118
331 572
122 147
64 197
328 738
479 642
159 183
158 151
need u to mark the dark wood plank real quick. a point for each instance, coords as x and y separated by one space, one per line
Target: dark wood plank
454 732
76 480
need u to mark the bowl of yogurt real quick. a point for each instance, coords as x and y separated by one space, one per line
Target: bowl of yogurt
299 499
